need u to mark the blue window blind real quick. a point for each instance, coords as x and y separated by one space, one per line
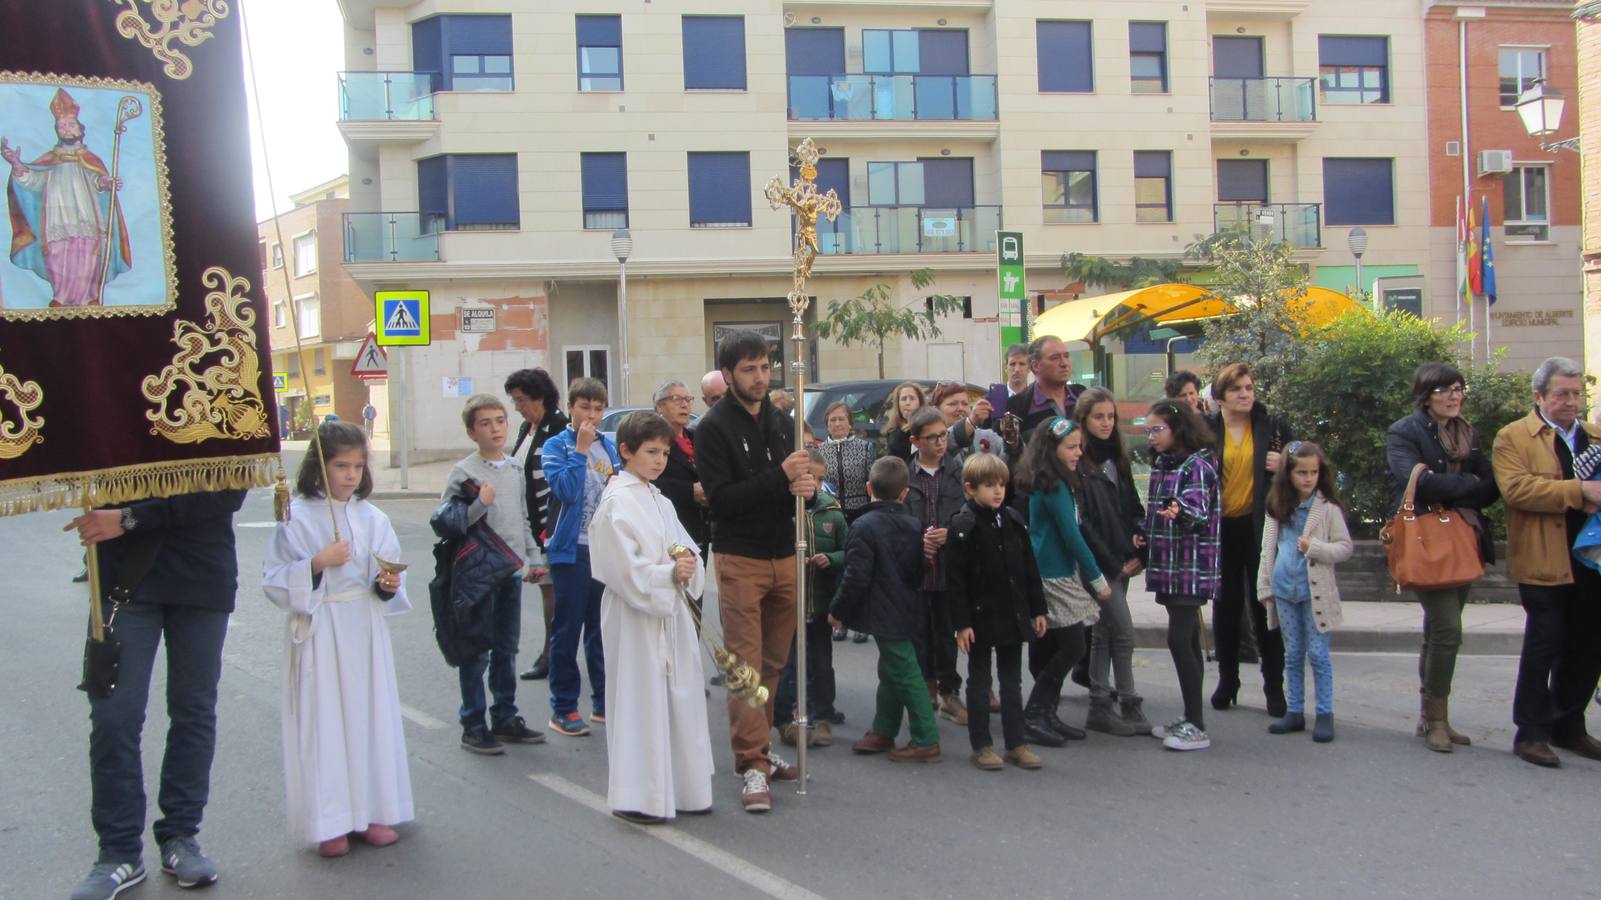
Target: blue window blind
1152 164
600 53
433 193
1345 50
714 53
436 40
1242 181
470 191
602 31
1236 57
947 181
428 48
1359 191
605 178
719 189
942 52
814 51
1147 37
1063 51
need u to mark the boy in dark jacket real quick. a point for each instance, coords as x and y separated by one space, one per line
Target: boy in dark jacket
825 538
878 595
997 605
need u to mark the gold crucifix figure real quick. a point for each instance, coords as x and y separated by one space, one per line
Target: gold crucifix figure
808 206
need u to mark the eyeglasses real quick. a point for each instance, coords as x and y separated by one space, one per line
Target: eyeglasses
1455 390
677 398
935 438
1155 430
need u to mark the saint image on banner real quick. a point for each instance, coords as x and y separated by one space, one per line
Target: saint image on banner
86 220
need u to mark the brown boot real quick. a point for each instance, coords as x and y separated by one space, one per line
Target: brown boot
1457 737
1435 735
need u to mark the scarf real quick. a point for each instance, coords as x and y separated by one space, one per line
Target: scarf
1456 436
686 445
1100 450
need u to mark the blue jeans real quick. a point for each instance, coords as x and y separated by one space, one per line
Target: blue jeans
1302 640
506 616
577 614
194 639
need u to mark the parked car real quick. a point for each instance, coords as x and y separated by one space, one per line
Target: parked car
869 402
615 417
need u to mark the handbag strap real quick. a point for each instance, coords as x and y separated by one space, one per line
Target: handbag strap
1408 501
135 566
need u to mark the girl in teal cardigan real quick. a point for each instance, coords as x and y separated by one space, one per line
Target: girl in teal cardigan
1048 474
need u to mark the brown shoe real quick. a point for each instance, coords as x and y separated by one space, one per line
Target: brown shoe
1537 752
755 796
822 735
988 760
951 709
1584 745
1023 758
873 742
780 770
789 733
915 754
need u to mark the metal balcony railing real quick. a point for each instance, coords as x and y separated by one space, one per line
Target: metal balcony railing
905 98
1264 99
390 237
1299 224
385 96
910 229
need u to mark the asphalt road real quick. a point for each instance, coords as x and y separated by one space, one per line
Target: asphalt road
1372 814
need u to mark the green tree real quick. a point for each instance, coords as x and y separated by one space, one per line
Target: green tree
872 317
1136 273
1259 277
1352 378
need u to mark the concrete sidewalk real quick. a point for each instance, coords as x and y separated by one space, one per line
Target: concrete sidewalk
424 481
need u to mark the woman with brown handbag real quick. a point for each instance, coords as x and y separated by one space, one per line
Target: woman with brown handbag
1459 477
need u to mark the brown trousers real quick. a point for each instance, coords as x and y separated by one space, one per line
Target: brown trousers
757 601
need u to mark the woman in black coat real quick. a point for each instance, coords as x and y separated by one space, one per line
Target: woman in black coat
534 396
1459 477
679 482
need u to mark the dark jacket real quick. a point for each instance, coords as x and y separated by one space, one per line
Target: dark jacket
826 533
878 593
1109 517
1415 439
195 565
992 581
1034 413
898 443
950 501
1268 433
538 488
740 459
677 483
470 563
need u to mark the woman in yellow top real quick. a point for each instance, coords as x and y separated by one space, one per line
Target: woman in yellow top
1250 443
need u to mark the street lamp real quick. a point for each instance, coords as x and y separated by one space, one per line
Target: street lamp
1540 108
1357 240
622 246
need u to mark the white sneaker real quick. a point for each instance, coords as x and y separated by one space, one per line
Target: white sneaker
1160 732
755 796
1186 737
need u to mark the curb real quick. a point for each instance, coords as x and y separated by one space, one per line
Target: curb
403 495
1358 640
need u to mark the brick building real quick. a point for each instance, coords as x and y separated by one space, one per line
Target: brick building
1588 16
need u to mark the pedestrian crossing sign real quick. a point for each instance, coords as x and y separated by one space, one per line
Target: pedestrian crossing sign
402 318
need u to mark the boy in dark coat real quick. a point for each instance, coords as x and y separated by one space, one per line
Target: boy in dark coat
878 595
997 605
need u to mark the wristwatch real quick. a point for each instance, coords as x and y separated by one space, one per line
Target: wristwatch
129 523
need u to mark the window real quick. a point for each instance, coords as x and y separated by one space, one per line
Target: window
278 314
464 53
468 192
719 190
1063 51
1527 204
305 253
1153 186
605 178
261 251
714 53
1359 191
310 315
277 256
1067 180
967 306
1147 57
600 53
1520 68
895 184
319 362
292 364
914 52
1242 181
1354 70
590 361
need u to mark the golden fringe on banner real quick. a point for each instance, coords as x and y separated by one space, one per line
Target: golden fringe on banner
76 490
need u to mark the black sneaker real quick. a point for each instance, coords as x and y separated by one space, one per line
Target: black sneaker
108 879
478 740
515 731
182 858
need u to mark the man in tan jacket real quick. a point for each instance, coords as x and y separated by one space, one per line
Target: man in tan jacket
1546 510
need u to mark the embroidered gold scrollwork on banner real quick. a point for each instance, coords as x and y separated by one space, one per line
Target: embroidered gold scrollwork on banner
16 438
189 22
212 390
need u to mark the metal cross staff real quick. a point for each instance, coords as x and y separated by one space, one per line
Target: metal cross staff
808 205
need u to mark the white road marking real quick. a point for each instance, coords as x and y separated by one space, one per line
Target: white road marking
768 883
419 717
255 524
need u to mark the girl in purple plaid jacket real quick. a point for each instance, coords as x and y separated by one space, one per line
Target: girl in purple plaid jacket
1181 524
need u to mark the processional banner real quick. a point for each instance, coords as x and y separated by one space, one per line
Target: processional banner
133 340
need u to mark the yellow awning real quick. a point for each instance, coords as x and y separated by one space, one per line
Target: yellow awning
1092 318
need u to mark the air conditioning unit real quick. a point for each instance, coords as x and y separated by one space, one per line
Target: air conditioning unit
1495 162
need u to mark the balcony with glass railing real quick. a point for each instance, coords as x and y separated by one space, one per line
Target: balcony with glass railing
390 237
1298 224
902 98
910 229
1272 100
386 96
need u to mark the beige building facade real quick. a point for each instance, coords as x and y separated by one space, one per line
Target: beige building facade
495 145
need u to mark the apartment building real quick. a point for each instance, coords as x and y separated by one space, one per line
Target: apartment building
300 273
1588 114
496 145
1533 194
